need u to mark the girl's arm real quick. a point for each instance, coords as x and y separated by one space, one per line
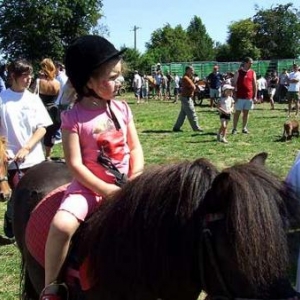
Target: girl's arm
34 139
136 152
72 152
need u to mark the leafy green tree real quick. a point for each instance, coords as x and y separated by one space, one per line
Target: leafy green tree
34 29
200 42
278 32
169 44
132 60
223 53
241 41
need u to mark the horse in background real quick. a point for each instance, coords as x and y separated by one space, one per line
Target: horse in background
5 190
176 230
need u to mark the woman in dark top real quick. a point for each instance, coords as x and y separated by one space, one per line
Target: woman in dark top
272 86
48 89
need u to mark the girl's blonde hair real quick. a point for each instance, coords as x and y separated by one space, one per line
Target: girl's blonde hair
48 68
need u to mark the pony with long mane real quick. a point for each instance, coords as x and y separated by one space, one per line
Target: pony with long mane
173 231
5 190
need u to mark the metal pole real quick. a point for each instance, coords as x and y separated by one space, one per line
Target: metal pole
135 28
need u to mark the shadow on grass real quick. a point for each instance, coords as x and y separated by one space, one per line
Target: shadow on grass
282 139
178 132
204 134
160 131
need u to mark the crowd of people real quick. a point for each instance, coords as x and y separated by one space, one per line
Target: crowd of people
247 89
99 127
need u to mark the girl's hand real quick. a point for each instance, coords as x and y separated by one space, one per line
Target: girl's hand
111 190
21 154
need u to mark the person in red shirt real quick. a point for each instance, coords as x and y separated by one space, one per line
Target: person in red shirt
246 90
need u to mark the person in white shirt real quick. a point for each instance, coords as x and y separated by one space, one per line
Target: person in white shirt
23 121
293 181
261 88
176 87
293 89
62 77
225 107
137 85
283 85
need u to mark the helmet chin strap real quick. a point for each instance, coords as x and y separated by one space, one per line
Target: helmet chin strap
91 93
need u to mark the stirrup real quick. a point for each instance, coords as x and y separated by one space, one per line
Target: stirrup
55 291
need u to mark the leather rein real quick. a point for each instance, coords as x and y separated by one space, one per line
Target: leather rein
207 242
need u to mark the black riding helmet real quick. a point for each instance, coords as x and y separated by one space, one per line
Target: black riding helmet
86 54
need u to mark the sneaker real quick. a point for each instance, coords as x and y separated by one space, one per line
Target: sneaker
7 227
245 130
198 130
219 137
57 141
234 131
177 130
55 291
223 140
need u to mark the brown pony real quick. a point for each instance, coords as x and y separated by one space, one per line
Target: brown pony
173 231
5 190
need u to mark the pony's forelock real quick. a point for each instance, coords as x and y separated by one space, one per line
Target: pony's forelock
256 215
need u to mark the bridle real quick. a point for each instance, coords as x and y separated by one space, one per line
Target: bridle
207 243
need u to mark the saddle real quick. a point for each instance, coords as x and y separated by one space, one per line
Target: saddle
73 272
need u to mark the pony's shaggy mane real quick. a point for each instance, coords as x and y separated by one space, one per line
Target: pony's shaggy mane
258 207
148 225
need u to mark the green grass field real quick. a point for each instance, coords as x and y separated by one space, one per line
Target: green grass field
154 121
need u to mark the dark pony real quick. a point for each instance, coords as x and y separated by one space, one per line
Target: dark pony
5 191
176 230
146 243
156 211
249 245
159 238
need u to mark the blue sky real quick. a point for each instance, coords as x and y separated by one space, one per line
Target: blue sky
121 16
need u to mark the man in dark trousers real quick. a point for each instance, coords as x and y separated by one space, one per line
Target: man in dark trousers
187 104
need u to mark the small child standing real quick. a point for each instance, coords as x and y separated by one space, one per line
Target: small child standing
225 107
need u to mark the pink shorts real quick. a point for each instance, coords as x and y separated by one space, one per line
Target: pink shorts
80 205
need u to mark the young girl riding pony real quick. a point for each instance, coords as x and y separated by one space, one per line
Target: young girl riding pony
97 128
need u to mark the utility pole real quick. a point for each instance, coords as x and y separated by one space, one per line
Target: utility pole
135 28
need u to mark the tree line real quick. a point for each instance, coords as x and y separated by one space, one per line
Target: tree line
34 29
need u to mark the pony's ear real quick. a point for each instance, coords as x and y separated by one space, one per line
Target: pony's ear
217 194
259 159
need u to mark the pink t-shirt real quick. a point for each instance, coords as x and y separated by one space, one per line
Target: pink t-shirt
90 125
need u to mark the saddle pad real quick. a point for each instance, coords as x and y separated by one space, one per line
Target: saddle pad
39 223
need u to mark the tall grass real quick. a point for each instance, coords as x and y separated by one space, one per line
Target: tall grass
154 121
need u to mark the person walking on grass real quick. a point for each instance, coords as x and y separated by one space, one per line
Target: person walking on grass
246 90
225 107
187 104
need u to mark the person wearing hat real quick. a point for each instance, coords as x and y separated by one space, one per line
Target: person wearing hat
225 107
96 129
246 92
